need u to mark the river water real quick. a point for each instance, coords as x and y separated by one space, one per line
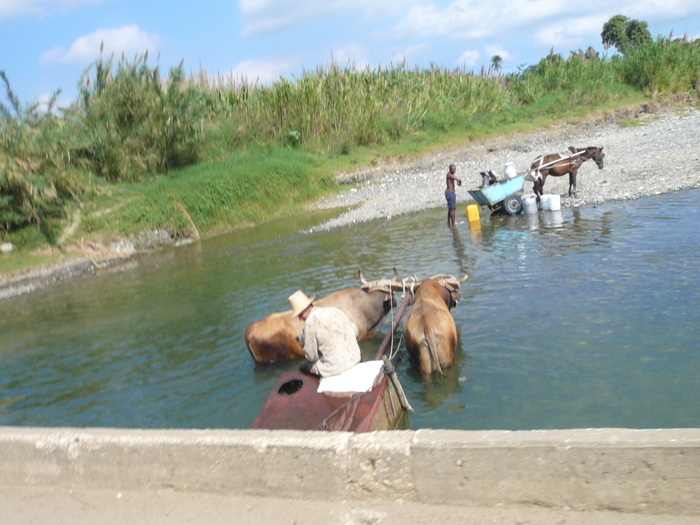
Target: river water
582 318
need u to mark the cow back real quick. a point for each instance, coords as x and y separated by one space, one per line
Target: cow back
429 329
273 338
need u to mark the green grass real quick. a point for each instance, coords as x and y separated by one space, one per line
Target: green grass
20 260
241 189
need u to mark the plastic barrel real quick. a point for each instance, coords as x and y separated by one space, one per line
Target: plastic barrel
510 171
551 202
473 213
529 201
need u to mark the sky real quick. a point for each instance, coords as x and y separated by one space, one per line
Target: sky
46 45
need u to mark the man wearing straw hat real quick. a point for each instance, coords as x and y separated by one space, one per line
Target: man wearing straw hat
329 338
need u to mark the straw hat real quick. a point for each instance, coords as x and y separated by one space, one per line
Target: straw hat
300 302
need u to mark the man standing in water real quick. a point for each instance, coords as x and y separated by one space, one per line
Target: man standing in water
451 196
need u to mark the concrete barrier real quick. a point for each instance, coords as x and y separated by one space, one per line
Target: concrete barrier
647 471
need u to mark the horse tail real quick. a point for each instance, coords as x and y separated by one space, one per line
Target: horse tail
431 343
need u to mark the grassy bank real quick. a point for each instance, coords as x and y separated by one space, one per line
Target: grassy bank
196 156
240 189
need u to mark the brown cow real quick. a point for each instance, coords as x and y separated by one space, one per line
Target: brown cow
429 329
273 338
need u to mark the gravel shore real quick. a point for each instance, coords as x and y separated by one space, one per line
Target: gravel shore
649 150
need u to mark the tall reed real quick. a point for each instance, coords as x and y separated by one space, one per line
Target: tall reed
137 124
39 175
664 66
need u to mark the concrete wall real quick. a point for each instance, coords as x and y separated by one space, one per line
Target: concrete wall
650 471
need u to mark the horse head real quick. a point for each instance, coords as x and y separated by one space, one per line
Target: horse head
598 157
591 152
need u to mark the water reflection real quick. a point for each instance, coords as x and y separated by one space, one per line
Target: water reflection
552 219
440 387
463 259
533 222
589 317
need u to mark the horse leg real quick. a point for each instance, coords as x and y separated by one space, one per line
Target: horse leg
538 186
572 182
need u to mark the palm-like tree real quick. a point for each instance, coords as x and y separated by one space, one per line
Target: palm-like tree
496 61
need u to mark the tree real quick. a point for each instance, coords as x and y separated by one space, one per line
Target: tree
496 61
624 33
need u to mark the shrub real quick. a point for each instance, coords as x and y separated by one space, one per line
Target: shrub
137 124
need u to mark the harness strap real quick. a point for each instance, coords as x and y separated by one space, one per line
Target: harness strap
562 157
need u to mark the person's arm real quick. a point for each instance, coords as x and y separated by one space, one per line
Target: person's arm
453 177
310 343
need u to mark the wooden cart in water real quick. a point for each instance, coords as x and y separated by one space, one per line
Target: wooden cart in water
501 197
296 404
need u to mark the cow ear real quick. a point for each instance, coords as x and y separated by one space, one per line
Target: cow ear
600 148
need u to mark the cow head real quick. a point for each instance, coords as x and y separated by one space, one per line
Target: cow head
451 285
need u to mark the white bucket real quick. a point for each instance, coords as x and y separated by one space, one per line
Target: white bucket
551 202
510 171
529 201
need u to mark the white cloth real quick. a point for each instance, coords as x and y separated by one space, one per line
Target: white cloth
330 341
360 378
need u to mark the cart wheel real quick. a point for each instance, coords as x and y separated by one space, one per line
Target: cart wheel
512 205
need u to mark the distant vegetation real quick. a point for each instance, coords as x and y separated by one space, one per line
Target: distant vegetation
625 34
201 154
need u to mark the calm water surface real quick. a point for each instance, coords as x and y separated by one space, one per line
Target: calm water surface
583 318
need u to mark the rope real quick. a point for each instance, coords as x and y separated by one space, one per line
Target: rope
391 372
394 350
324 423
393 353
561 158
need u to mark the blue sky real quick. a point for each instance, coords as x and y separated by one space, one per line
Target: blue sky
46 44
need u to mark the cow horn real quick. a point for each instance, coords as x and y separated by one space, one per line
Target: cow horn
362 279
449 282
395 278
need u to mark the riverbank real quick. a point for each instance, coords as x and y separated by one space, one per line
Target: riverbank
650 149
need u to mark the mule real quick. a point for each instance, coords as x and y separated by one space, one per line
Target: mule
558 165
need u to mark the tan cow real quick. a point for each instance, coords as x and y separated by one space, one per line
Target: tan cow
429 329
273 338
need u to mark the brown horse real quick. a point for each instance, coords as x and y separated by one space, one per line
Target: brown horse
558 165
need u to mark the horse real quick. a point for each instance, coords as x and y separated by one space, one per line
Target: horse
558 165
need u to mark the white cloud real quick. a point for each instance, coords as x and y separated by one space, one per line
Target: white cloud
554 22
14 8
498 50
273 16
350 55
469 58
570 32
129 40
61 102
414 50
259 71
649 10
